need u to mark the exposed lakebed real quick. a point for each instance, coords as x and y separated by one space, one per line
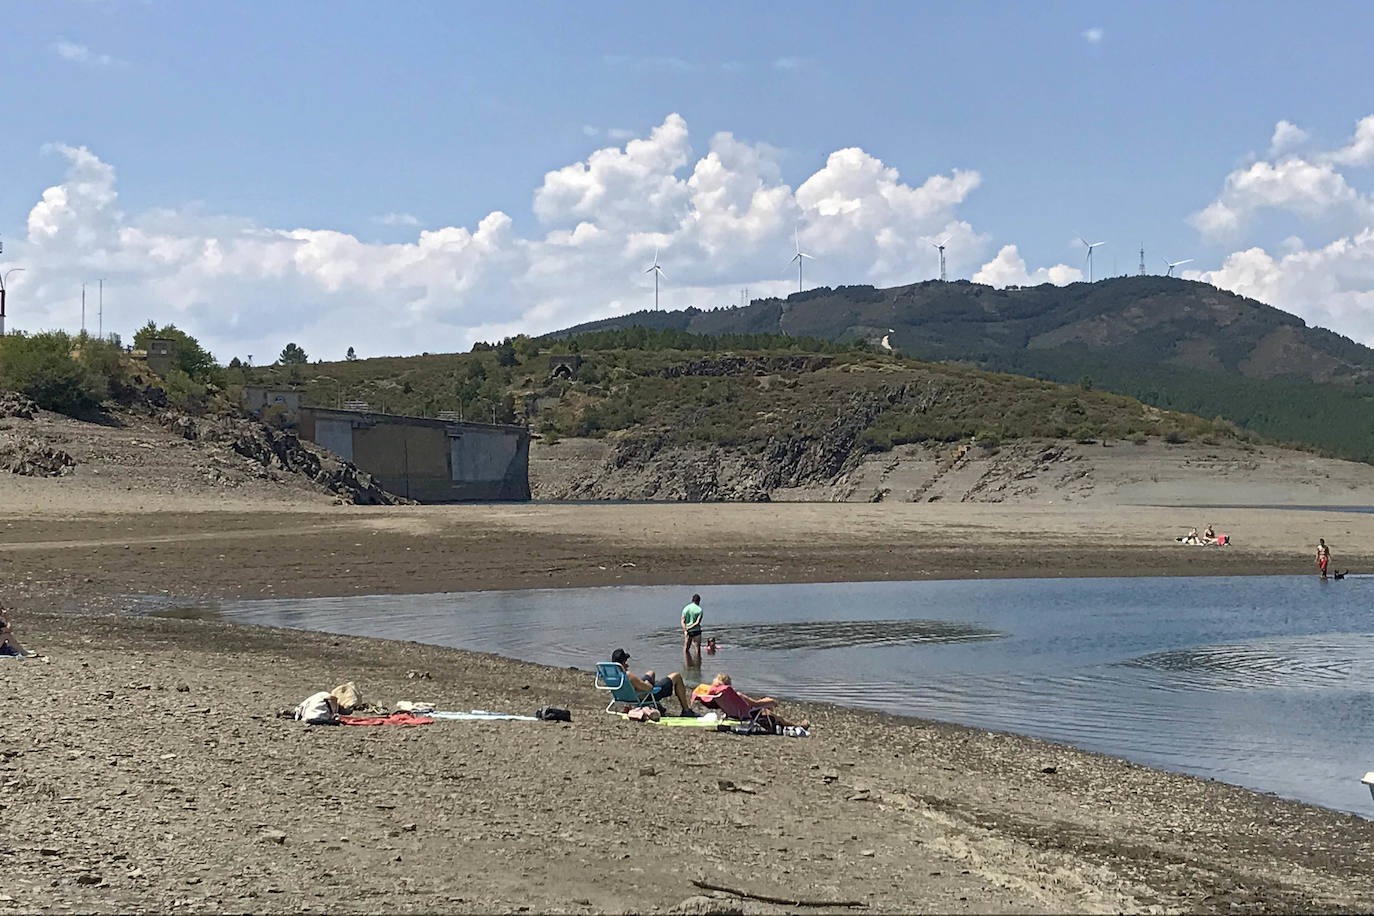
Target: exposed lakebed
1265 682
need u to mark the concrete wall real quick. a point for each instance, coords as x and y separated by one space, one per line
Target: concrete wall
427 460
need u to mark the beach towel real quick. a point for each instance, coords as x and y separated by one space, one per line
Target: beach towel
396 718
689 721
477 715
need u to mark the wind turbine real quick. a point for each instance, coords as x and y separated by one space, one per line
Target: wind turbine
1090 246
1172 264
799 257
657 272
940 247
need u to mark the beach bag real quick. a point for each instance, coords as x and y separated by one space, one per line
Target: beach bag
552 714
315 710
348 696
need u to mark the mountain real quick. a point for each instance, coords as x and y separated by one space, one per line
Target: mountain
1171 343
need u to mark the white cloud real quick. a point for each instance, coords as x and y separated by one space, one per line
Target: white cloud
1312 190
399 219
1286 136
1328 284
791 63
80 54
1094 35
1009 269
1360 149
724 219
1331 286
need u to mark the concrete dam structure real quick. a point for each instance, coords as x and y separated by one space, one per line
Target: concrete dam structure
430 461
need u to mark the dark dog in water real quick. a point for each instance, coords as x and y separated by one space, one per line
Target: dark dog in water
1339 575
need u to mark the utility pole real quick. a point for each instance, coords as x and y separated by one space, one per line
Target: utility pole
101 320
4 282
1142 259
83 306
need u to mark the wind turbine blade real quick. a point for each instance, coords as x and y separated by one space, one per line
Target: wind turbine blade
661 273
807 256
1185 261
649 270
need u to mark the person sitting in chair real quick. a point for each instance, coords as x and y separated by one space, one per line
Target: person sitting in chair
661 688
768 704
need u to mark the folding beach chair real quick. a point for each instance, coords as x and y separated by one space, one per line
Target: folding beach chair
733 706
612 677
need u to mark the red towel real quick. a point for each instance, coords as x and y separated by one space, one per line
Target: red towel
396 718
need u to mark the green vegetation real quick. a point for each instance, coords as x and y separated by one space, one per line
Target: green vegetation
673 387
292 355
67 374
188 355
1171 343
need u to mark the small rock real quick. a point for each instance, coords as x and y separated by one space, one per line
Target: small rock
273 836
89 879
1049 769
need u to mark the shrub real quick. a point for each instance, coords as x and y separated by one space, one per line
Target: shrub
1175 437
41 366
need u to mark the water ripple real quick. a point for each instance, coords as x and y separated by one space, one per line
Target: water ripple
840 634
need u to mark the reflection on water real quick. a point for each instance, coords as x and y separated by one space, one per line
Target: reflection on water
1263 682
836 634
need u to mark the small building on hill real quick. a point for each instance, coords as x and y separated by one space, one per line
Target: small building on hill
427 460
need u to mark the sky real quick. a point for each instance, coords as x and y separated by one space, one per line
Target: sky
416 177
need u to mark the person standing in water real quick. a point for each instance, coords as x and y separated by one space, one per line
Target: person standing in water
1323 556
691 630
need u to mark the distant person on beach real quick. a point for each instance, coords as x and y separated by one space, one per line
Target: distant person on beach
691 630
1323 556
1209 535
9 644
663 688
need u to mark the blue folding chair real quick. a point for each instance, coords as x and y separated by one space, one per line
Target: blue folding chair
612 677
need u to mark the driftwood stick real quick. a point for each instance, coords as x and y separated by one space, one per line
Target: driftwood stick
767 898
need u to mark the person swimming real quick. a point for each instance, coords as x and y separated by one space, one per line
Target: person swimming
711 645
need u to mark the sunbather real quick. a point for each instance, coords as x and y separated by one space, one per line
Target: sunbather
662 688
768 704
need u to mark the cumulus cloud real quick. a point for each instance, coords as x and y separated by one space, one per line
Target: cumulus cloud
1286 136
399 219
80 54
1293 184
1009 269
1094 35
723 219
1329 284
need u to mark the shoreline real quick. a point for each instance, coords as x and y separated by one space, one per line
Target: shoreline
900 813
145 796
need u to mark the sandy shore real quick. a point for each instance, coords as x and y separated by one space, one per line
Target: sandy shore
59 557
143 768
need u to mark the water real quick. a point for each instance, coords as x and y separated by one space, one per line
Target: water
1265 682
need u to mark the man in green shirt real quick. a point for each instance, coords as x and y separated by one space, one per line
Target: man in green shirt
691 630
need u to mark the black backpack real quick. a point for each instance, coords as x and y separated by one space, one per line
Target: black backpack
553 714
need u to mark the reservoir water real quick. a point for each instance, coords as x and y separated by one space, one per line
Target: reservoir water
1265 682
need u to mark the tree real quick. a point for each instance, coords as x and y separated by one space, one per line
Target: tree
235 363
350 356
187 353
505 353
292 355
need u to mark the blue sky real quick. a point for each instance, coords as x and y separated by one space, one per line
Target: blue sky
263 172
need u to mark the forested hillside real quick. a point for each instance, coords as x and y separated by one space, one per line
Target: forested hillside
1171 343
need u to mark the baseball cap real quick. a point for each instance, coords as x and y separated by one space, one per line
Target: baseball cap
620 656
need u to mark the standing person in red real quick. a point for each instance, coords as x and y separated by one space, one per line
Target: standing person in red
1323 556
